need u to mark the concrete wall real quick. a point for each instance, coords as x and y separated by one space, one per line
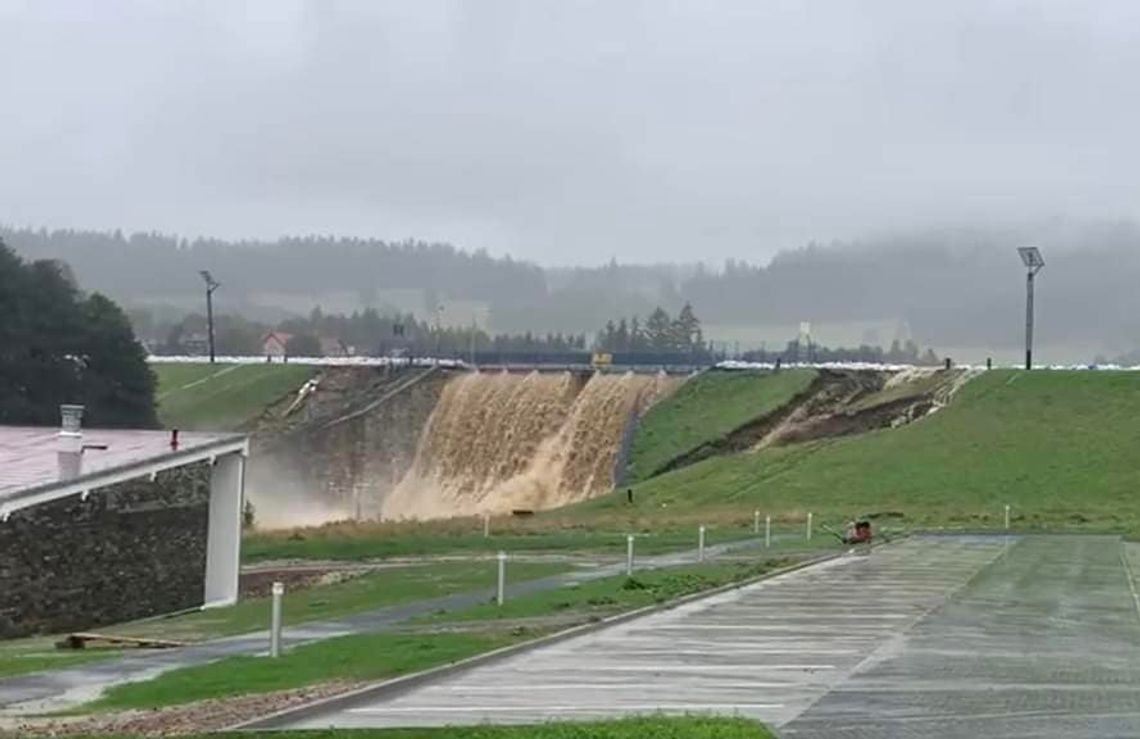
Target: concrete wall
358 459
131 550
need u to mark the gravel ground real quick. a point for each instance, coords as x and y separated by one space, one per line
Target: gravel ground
210 715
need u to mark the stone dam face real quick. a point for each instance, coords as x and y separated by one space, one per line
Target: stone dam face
446 443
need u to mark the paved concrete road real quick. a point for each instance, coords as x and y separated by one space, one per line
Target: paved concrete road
769 650
59 690
1045 643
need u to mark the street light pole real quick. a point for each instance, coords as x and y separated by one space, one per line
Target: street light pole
211 286
1029 320
1031 257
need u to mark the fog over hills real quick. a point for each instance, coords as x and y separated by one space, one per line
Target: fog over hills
958 290
919 143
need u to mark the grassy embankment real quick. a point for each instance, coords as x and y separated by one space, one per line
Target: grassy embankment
658 727
222 396
707 408
1059 447
469 631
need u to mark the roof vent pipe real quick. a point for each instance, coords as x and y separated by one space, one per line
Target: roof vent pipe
71 428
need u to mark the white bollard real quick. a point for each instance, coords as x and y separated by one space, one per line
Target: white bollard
755 522
701 544
275 620
767 531
809 526
502 577
629 555
486 525
1007 517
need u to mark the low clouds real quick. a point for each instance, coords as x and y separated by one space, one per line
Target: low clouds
567 132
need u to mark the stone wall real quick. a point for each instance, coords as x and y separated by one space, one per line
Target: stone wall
130 550
350 465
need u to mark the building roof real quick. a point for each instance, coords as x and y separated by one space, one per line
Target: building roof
33 470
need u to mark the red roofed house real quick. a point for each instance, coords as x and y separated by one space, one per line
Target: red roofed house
273 345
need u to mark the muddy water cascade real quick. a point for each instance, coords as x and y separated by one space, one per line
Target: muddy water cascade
498 441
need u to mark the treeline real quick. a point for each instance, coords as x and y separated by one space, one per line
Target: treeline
365 333
59 345
112 261
659 333
907 352
369 333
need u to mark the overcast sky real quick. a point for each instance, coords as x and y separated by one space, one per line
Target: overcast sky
567 131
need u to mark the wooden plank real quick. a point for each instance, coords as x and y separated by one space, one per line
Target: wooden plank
79 640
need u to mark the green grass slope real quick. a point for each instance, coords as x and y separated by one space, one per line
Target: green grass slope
1062 448
222 396
706 408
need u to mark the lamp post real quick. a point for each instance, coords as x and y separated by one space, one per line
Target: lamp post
1031 258
211 286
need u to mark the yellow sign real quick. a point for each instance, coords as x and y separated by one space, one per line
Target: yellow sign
602 359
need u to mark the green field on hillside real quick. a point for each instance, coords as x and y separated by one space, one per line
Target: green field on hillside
706 408
207 396
1059 447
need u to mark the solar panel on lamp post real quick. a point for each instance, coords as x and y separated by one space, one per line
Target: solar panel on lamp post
211 286
1031 257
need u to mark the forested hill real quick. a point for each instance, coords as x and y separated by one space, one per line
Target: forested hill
112 262
953 288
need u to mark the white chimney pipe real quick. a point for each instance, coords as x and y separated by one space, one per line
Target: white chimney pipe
71 428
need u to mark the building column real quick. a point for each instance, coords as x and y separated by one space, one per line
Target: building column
223 540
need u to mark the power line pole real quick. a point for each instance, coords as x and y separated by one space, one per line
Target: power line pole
211 286
1031 257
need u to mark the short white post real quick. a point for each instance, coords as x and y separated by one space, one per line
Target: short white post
755 522
701 544
809 526
486 525
767 531
1007 517
629 555
275 620
502 577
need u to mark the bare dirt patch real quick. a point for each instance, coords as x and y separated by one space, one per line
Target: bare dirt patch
210 715
838 403
258 583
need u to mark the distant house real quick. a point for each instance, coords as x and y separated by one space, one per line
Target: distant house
273 345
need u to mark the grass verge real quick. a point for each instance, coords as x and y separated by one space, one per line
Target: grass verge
355 658
658 727
375 590
605 597
378 540
36 654
378 589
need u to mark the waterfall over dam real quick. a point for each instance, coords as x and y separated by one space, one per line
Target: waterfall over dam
498 441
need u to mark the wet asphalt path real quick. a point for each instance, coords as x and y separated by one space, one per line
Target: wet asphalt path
770 650
1044 643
